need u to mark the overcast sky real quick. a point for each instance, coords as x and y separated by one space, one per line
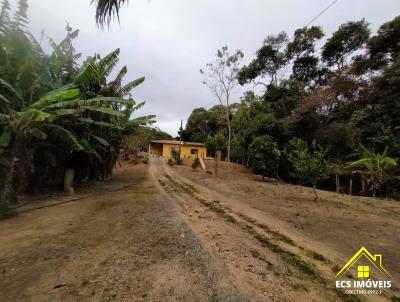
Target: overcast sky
168 41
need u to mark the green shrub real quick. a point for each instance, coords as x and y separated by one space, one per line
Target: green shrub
176 155
196 163
171 161
264 156
146 159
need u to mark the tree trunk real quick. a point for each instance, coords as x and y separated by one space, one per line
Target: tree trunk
351 186
69 182
229 142
216 158
315 191
337 183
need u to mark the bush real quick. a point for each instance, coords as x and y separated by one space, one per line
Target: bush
171 161
309 164
196 163
264 156
146 159
176 155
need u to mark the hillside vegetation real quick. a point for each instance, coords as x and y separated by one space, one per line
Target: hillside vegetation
324 113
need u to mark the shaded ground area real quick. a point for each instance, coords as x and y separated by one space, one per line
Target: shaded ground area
127 245
160 233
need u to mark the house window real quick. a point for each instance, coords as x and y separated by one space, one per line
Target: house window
194 151
363 271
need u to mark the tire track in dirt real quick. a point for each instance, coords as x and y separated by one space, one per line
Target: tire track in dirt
271 273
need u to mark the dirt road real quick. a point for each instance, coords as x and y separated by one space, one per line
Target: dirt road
179 235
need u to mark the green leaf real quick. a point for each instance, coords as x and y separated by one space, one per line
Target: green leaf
35 115
64 112
55 97
101 140
90 102
106 65
86 72
4 99
99 123
5 138
143 120
62 136
4 117
10 89
89 149
128 87
105 110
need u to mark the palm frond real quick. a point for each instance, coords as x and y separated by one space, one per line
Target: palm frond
128 87
86 71
107 64
55 96
143 120
104 110
8 87
90 102
100 140
106 10
116 83
35 115
62 136
90 121
89 149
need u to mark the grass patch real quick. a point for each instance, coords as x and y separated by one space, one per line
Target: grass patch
257 255
221 212
247 218
395 299
287 256
276 235
317 256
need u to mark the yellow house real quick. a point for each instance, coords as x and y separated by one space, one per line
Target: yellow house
188 149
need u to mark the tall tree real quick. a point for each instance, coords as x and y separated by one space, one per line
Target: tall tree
270 59
302 51
221 79
349 38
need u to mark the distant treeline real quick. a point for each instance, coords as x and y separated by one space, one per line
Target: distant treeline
344 97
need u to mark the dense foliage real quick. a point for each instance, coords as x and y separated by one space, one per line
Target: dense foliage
55 114
343 95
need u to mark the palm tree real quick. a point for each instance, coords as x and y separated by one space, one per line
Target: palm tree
374 165
106 10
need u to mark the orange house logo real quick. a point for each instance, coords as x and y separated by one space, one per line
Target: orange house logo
363 271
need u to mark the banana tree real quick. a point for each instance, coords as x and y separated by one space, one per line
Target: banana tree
375 165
